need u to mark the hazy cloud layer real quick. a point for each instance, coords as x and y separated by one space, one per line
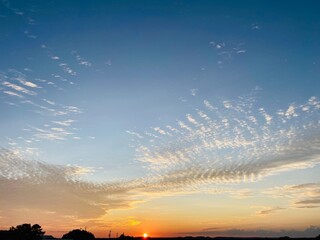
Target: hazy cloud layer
38 185
312 231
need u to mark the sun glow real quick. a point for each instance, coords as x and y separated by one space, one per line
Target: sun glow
145 235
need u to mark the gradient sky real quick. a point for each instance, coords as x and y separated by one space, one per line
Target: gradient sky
173 118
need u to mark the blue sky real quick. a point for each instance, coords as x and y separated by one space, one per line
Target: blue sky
164 97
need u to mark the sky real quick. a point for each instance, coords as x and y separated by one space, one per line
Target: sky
172 118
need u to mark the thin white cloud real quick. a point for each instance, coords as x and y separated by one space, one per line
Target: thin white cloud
227 52
13 94
208 105
81 60
194 92
27 70
108 62
67 69
266 116
31 21
291 112
255 26
66 123
16 11
241 51
159 130
184 126
227 104
72 109
54 134
49 102
191 119
18 88
30 35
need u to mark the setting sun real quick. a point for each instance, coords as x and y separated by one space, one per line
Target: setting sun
145 235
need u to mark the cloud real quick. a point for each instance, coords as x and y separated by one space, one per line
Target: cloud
15 76
67 69
266 116
219 146
53 134
208 105
269 210
16 11
29 35
66 123
311 231
134 134
18 88
255 26
49 101
306 195
13 94
57 189
81 60
159 130
31 21
108 62
191 119
194 92
309 201
237 146
241 51
227 51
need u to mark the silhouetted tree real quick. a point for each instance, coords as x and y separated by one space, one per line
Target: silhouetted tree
78 234
124 237
318 237
25 232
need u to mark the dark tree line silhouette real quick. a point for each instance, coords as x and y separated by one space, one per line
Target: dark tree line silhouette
27 232
78 234
23 232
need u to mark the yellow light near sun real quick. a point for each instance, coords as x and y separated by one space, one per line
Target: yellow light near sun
145 235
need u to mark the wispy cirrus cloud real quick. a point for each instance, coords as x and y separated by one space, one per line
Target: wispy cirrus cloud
10 93
67 69
18 88
268 211
306 195
30 95
29 34
58 60
15 10
81 61
226 51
